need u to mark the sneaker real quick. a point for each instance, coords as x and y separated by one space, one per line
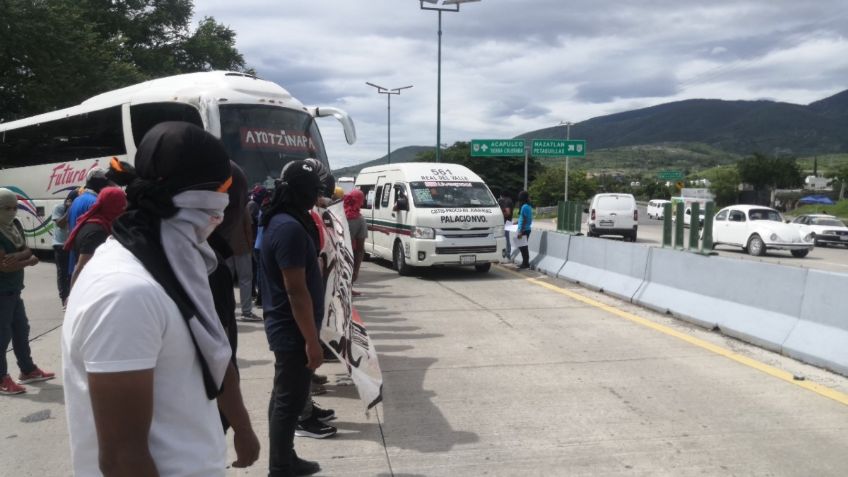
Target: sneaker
249 316
314 428
305 467
523 266
322 414
9 387
317 389
319 379
35 376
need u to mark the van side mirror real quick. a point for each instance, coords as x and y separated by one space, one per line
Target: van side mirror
585 210
402 203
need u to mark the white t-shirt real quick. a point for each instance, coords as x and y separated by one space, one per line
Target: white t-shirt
120 319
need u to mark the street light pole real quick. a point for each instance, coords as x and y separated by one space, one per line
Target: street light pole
567 125
388 92
441 6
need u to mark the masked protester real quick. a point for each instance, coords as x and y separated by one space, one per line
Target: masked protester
147 364
60 236
14 325
94 183
293 304
525 224
95 226
353 201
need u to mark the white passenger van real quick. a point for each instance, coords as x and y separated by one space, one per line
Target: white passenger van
428 214
613 214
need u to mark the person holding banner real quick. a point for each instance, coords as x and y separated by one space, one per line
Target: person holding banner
525 222
293 305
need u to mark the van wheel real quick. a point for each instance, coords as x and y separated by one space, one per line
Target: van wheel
483 267
400 261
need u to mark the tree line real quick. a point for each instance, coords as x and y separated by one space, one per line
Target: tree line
57 53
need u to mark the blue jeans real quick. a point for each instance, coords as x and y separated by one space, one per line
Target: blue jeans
14 328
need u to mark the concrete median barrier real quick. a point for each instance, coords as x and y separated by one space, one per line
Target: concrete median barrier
553 252
821 335
617 268
756 302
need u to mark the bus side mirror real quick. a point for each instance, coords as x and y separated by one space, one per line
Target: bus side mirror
402 204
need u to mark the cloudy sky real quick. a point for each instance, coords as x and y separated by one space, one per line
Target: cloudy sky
512 66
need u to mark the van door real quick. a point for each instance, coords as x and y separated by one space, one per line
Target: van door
381 236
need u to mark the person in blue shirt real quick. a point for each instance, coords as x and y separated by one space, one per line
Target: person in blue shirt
60 234
525 223
293 306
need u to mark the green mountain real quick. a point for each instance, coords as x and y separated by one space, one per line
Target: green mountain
404 154
738 127
694 134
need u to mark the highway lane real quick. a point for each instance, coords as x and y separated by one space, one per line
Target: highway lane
510 373
833 259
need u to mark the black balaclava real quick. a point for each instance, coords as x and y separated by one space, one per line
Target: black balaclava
296 193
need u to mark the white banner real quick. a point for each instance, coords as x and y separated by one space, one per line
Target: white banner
342 329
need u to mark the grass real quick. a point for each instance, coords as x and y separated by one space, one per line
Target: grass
840 209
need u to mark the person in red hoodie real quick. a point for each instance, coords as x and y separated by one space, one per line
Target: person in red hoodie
95 226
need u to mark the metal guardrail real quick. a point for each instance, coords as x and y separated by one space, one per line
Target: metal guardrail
569 215
700 240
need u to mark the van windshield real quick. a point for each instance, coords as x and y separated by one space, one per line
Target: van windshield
615 203
451 194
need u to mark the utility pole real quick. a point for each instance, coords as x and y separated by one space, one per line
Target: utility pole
567 125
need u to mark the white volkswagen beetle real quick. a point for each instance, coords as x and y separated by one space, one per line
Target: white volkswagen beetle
757 229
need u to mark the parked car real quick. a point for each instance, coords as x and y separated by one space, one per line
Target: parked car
826 229
613 214
656 208
757 229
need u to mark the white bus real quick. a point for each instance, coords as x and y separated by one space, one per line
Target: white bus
263 127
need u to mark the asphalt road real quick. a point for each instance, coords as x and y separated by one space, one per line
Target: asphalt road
834 259
510 374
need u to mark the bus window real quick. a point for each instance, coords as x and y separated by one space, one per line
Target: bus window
145 116
83 136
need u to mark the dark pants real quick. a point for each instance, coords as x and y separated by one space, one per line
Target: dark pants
257 275
291 390
525 251
63 280
14 328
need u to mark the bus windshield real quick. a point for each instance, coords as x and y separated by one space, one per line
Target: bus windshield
451 194
262 139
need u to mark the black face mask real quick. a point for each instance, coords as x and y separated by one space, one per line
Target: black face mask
303 196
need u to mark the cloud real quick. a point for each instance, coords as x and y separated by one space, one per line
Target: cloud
510 66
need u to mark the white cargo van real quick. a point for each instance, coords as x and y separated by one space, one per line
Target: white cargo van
656 208
429 214
613 214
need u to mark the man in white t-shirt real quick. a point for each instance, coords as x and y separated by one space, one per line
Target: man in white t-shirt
146 363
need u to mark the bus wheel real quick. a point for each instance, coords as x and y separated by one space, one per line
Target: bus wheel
400 260
483 267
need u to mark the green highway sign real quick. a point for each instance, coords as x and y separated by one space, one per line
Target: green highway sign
497 147
558 148
670 175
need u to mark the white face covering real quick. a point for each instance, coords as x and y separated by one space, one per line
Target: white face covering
192 260
8 210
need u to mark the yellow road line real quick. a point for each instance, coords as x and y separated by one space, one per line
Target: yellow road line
825 391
